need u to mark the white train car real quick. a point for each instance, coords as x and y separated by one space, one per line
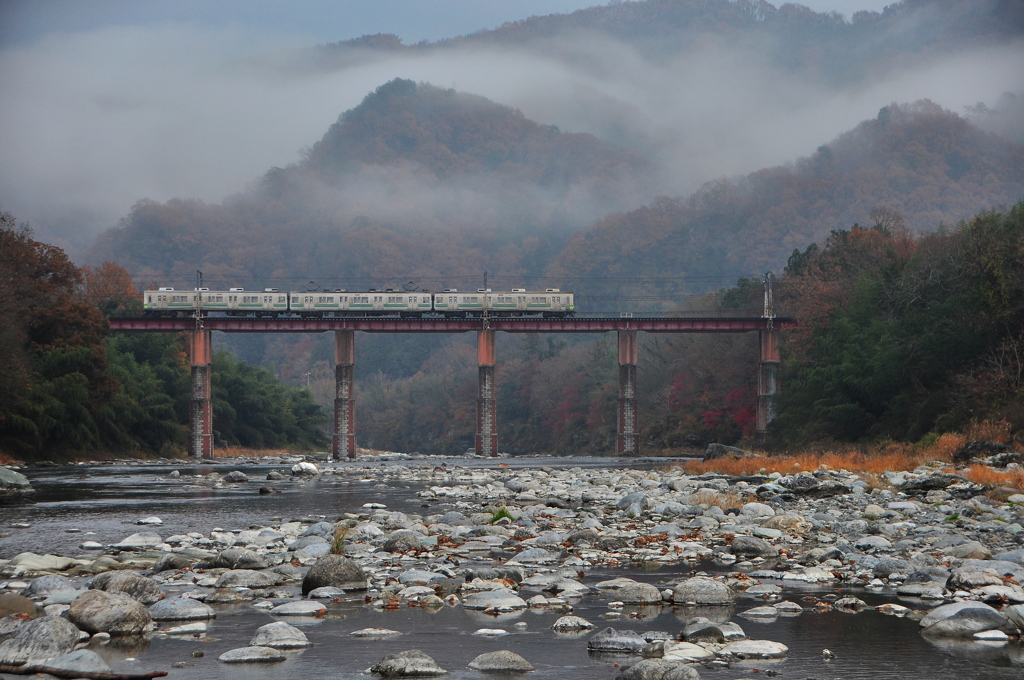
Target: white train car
517 302
169 302
340 302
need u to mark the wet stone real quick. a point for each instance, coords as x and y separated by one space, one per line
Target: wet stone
279 635
97 611
410 663
612 640
502 661
43 638
138 587
252 655
181 609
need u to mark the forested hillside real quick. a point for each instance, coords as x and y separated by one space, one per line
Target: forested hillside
819 45
902 337
415 183
931 166
68 387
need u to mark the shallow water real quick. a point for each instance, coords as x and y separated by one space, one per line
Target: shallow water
109 499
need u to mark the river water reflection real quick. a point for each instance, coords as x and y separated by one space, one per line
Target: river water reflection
108 500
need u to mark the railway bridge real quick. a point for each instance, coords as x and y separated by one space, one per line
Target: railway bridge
198 330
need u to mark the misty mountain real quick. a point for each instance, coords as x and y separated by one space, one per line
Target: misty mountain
824 46
927 164
417 182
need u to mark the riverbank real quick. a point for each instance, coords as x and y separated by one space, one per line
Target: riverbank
484 548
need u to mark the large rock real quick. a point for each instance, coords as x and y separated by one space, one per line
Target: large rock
181 609
933 482
701 629
247 578
140 541
703 590
962 619
236 477
612 640
11 480
969 578
44 638
252 655
500 599
44 586
238 558
279 635
502 661
659 669
750 546
97 611
571 624
299 608
716 451
334 570
173 561
140 588
755 649
33 562
408 664
79 661
401 541
1015 616
630 592
979 449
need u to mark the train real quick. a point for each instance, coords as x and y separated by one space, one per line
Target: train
339 302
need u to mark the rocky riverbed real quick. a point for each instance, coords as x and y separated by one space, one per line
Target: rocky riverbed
557 571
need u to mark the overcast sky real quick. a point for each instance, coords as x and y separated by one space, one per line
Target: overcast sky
319 20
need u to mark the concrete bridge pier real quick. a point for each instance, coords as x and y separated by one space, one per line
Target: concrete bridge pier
201 354
343 441
627 439
486 408
767 384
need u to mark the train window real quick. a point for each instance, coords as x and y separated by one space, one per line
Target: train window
280 298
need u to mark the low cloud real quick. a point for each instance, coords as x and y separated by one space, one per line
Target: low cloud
95 121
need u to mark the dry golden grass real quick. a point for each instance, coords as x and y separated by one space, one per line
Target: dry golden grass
888 457
869 464
980 474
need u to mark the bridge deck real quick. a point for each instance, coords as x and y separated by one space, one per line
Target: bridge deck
442 325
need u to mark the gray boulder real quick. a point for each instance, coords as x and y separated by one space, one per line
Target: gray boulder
79 661
238 558
751 546
97 611
44 586
142 540
172 561
502 661
703 590
701 629
658 669
402 541
621 641
334 570
961 619
933 482
181 609
716 451
630 592
307 541
236 477
499 598
247 578
407 664
324 529
137 587
44 638
11 480
1015 616
252 655
279 635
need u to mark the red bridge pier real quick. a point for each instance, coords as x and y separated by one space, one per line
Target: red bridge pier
343 441
201 355
486 408
767 384
627 438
